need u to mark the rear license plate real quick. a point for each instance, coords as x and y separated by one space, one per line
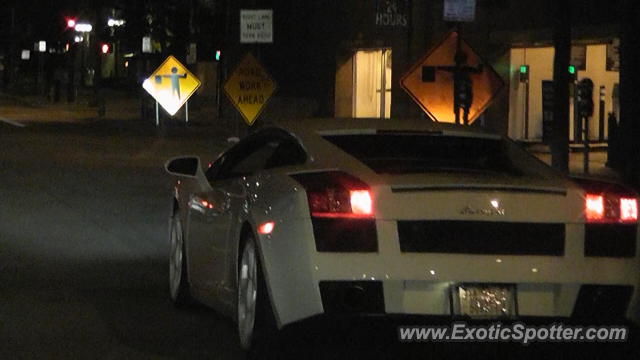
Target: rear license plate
486 301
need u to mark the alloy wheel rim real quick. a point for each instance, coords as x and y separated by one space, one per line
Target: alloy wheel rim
247 292
175 263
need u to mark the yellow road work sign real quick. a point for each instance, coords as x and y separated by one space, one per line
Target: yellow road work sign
249 88
172 84
430 82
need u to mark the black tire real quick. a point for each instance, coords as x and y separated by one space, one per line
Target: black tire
180 293
266 336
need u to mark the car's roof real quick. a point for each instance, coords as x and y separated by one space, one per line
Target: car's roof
314 136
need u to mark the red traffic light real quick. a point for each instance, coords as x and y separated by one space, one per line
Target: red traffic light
106 48
71 23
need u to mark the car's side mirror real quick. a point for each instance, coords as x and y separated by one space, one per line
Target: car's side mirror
183 166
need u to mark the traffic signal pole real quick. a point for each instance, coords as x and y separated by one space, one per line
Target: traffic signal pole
526 109
562 45
584 100
456 107
585 151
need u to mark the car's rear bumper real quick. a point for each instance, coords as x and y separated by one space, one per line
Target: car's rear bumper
570 285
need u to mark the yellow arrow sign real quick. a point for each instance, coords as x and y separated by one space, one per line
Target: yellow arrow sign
172 84
249 88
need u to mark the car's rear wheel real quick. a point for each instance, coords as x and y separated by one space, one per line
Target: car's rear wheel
178 282
256 323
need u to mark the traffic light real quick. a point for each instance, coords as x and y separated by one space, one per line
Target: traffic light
106 48
585 97
71 23
572 73
524 73
218 55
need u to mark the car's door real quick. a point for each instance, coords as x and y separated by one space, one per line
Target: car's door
204 207
215 214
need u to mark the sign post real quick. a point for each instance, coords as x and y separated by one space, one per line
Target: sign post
171 85
157 114
548 100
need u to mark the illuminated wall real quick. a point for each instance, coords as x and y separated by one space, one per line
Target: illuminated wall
359 83
540 61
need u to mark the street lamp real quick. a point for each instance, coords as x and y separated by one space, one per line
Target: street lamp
115 22
83 27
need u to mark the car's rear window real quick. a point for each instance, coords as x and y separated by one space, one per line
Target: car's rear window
421 153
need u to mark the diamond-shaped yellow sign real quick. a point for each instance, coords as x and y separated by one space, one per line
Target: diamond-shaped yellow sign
172 84
249 88
435 93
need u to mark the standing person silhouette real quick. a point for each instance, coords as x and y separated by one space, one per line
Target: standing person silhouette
462 84
175 80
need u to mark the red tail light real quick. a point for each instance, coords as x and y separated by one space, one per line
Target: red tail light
594 207
628 209
610 208
361 203
342 211
336 194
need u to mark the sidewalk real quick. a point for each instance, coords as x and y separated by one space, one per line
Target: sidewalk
119 105
597 161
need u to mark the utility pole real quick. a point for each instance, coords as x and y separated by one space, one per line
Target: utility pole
10 70
562 44
629 126
96 55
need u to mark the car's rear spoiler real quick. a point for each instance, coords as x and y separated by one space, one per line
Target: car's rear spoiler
478 187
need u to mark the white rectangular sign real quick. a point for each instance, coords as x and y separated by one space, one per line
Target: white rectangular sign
459 10
146 45
256 26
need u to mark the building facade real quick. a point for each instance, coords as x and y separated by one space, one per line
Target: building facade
345 58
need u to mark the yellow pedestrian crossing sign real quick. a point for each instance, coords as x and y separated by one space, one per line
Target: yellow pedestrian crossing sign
172 84
249 88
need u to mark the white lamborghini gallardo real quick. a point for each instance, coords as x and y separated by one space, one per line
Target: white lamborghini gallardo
346 216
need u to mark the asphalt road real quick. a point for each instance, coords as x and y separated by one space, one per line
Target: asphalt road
83 247
83 259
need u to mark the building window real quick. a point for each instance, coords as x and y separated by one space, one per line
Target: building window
372 83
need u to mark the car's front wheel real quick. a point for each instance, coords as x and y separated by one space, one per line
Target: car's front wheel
178 282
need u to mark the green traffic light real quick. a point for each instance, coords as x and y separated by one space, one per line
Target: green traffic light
523 69
572 69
